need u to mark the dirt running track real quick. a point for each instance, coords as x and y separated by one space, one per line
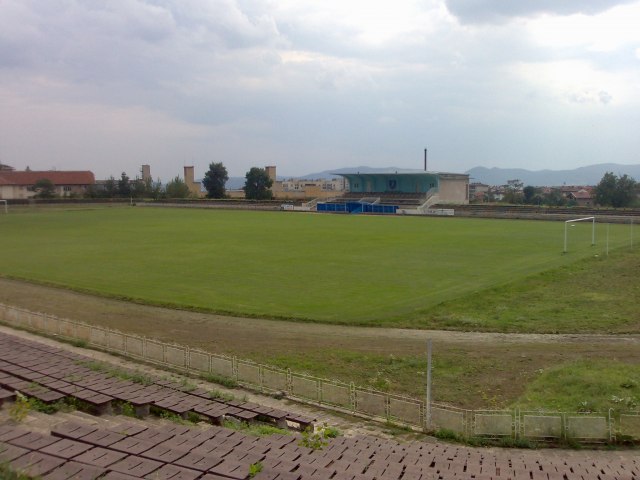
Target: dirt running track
264 339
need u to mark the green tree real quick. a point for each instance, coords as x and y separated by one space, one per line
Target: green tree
111 187
616 191
555 198
215 179
44 188
529 193
154 188
140 188
257 184
513 192
177 188
124 186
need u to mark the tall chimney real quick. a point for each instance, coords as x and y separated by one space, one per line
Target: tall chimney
146 172
425 159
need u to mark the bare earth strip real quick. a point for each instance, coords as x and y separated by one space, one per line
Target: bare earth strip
500 364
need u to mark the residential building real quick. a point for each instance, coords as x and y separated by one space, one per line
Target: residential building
20 185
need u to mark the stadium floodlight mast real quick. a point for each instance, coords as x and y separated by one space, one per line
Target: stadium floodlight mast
593 230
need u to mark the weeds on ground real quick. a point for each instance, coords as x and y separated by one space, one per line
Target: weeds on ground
220 380
254 469
133 376
331 432
187 386
505 442
508 442
172 417
218 395
396 429
49 408
257 429
23 405
127 409
319 438
77 404
20 408
78 343
7 473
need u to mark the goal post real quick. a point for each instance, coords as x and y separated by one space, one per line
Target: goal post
585 219
6 207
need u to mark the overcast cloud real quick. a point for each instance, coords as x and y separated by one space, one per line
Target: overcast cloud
309 86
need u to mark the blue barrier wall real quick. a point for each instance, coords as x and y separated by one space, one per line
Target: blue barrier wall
357 207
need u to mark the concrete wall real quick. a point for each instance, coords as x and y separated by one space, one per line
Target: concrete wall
454 191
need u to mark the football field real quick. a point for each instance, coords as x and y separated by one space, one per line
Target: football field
325 268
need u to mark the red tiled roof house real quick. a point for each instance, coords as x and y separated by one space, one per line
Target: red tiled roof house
19 185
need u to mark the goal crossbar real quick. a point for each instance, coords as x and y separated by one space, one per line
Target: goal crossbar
584 219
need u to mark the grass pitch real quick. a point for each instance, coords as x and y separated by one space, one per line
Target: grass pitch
363 270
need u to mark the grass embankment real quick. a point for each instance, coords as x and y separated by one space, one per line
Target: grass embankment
593 295
585 386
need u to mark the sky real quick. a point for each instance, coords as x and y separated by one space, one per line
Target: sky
309 86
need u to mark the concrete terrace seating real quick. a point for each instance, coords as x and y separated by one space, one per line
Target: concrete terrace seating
133 451
50 374
392 198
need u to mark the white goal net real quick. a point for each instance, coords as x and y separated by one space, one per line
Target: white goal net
572 223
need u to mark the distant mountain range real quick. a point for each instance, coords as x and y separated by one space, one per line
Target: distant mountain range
589 175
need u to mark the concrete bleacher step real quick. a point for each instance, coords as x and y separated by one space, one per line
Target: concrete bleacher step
66 375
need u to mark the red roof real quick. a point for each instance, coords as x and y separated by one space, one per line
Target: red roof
58 178
582 195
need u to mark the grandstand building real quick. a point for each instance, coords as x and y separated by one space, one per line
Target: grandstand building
407 191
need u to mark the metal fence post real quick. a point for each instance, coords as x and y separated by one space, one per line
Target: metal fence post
352 397
289 382
234 368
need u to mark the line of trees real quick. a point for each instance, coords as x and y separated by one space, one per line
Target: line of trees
612 191
124 187
617 191
257 184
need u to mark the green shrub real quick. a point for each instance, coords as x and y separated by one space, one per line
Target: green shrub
319 438
255 429
20 408
254 469
218 395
